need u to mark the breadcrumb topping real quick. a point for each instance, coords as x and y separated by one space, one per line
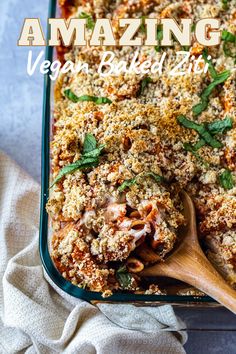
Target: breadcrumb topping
97 226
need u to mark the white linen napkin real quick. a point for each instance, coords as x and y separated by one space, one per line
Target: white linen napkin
36 317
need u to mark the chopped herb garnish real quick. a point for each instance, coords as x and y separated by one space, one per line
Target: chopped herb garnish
212 69
144 84
220 126
219 79
89 18
89 158
126 184
130 182
90 143
229 46
228 37
71 96
156 177
226 180
225 4
199 144
185 48
193 27
98 100
200 107
192 149
216 127
142 26
201 130
123 277
159 38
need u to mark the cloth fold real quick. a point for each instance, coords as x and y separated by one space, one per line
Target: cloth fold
37 317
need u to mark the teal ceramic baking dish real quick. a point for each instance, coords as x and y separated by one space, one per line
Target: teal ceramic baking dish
48 265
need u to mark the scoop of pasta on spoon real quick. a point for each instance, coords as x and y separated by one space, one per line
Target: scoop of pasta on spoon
189 264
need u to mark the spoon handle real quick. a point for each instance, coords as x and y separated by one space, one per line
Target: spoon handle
192 267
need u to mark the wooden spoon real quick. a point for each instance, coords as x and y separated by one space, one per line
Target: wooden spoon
189 264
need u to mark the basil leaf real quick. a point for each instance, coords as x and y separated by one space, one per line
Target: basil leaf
122 269
81 164
225 4
130 182
89 158
190 148
228 36
229 46
186 48
193 27
201 130
157 178
89 18
98 100
144 84
222 77
226 180
219 79
96 152
216 127
200 107
199 144
90 143
159 38
220 126
142 26
211 68
126 184
71 96
123 277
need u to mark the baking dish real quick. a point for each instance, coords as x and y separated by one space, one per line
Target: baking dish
44 222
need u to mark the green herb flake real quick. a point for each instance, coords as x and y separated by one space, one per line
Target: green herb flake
157 178
124 278
98 100
71 96
229 46
219 79
159 38
81 164
90 143
226 180
220 126
188 147
200 107
144 84
89 158
142 26
89 18
216 127
94 153
130 182
199 144
225 4
126 184
211 67
228 36
201 130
